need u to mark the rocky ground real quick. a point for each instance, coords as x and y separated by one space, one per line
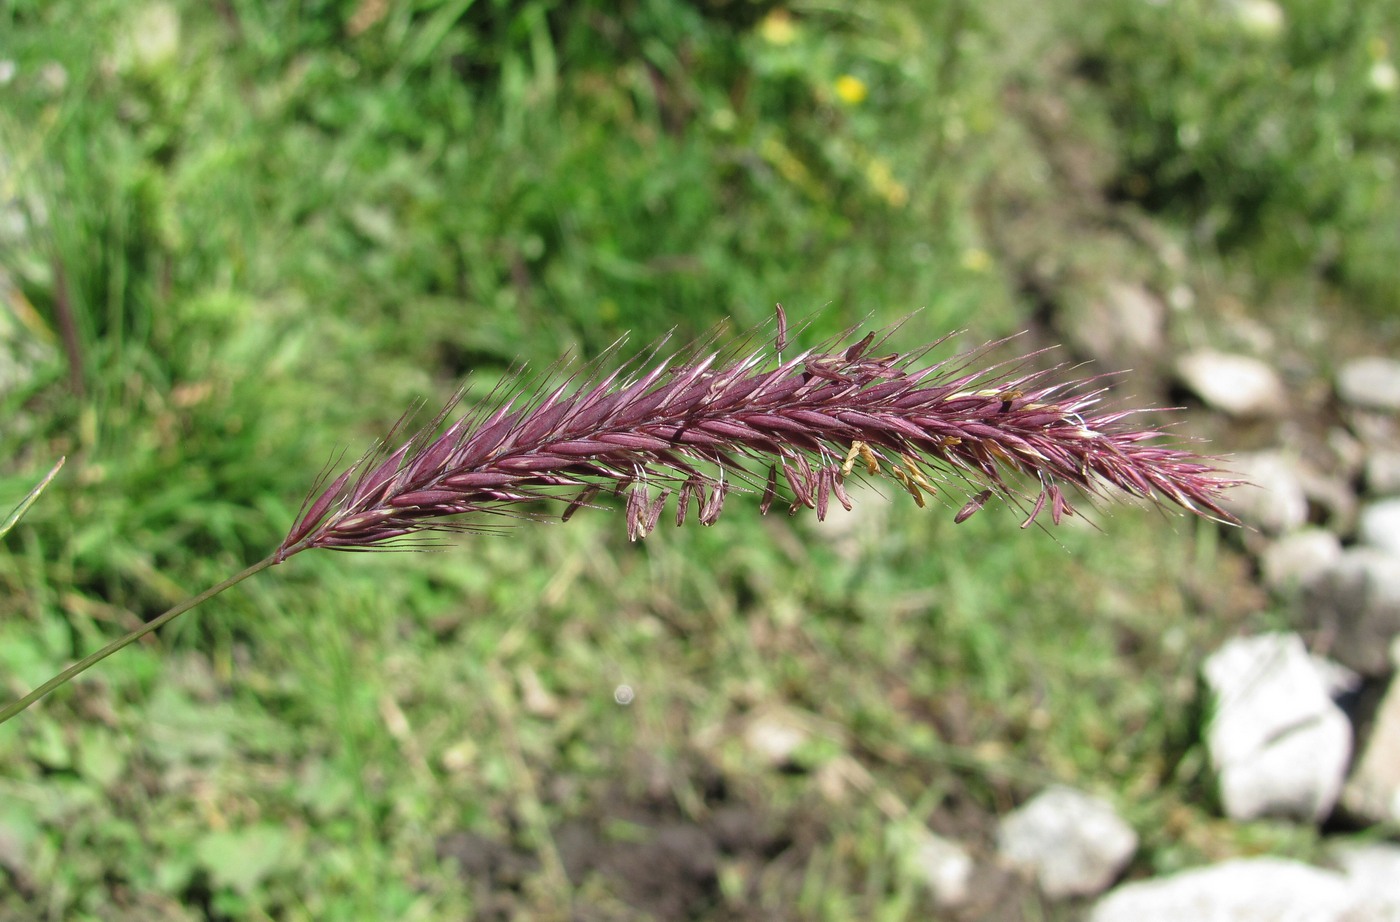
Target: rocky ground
1301 725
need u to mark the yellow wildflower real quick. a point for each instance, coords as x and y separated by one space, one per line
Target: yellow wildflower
851 89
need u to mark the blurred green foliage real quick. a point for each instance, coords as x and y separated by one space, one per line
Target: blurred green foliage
1274 127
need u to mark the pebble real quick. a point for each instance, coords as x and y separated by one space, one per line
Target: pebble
1244 890
1073 842
1374 870
1383 472
1372 383
1238 385
775 737
1277 741
1372 792
1273 499
1355 604
1123 324
1297 560
946 868
1379 526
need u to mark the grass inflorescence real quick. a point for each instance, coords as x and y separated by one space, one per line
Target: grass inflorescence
693 428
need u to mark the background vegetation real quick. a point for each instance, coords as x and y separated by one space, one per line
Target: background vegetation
240 237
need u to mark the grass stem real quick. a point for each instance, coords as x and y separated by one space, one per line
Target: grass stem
92 659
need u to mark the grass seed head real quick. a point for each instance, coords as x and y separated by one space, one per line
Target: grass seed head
697 427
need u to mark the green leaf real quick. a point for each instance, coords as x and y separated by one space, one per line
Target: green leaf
241 859
100 758
49 748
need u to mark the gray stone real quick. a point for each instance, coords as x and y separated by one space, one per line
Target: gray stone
1247 890
1272 499
1383 472
1355 606
1074 843
1373 429
1237 385
1372 383
1278 743
1373 790
1330 495
1379 526
1125 323
1297 560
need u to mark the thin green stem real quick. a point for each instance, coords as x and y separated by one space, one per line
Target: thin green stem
93 659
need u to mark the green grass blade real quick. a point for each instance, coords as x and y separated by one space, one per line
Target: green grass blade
92 659
28 501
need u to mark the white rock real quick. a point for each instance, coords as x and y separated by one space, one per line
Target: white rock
1338 680
1234 384
775 737
1273 499
1074 843
1373 383
1379 526
1373 791
1355 603
1278 743
946 869
1250 890
1373 868
1296 560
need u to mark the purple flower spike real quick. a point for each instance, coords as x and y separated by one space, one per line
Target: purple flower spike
798 426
